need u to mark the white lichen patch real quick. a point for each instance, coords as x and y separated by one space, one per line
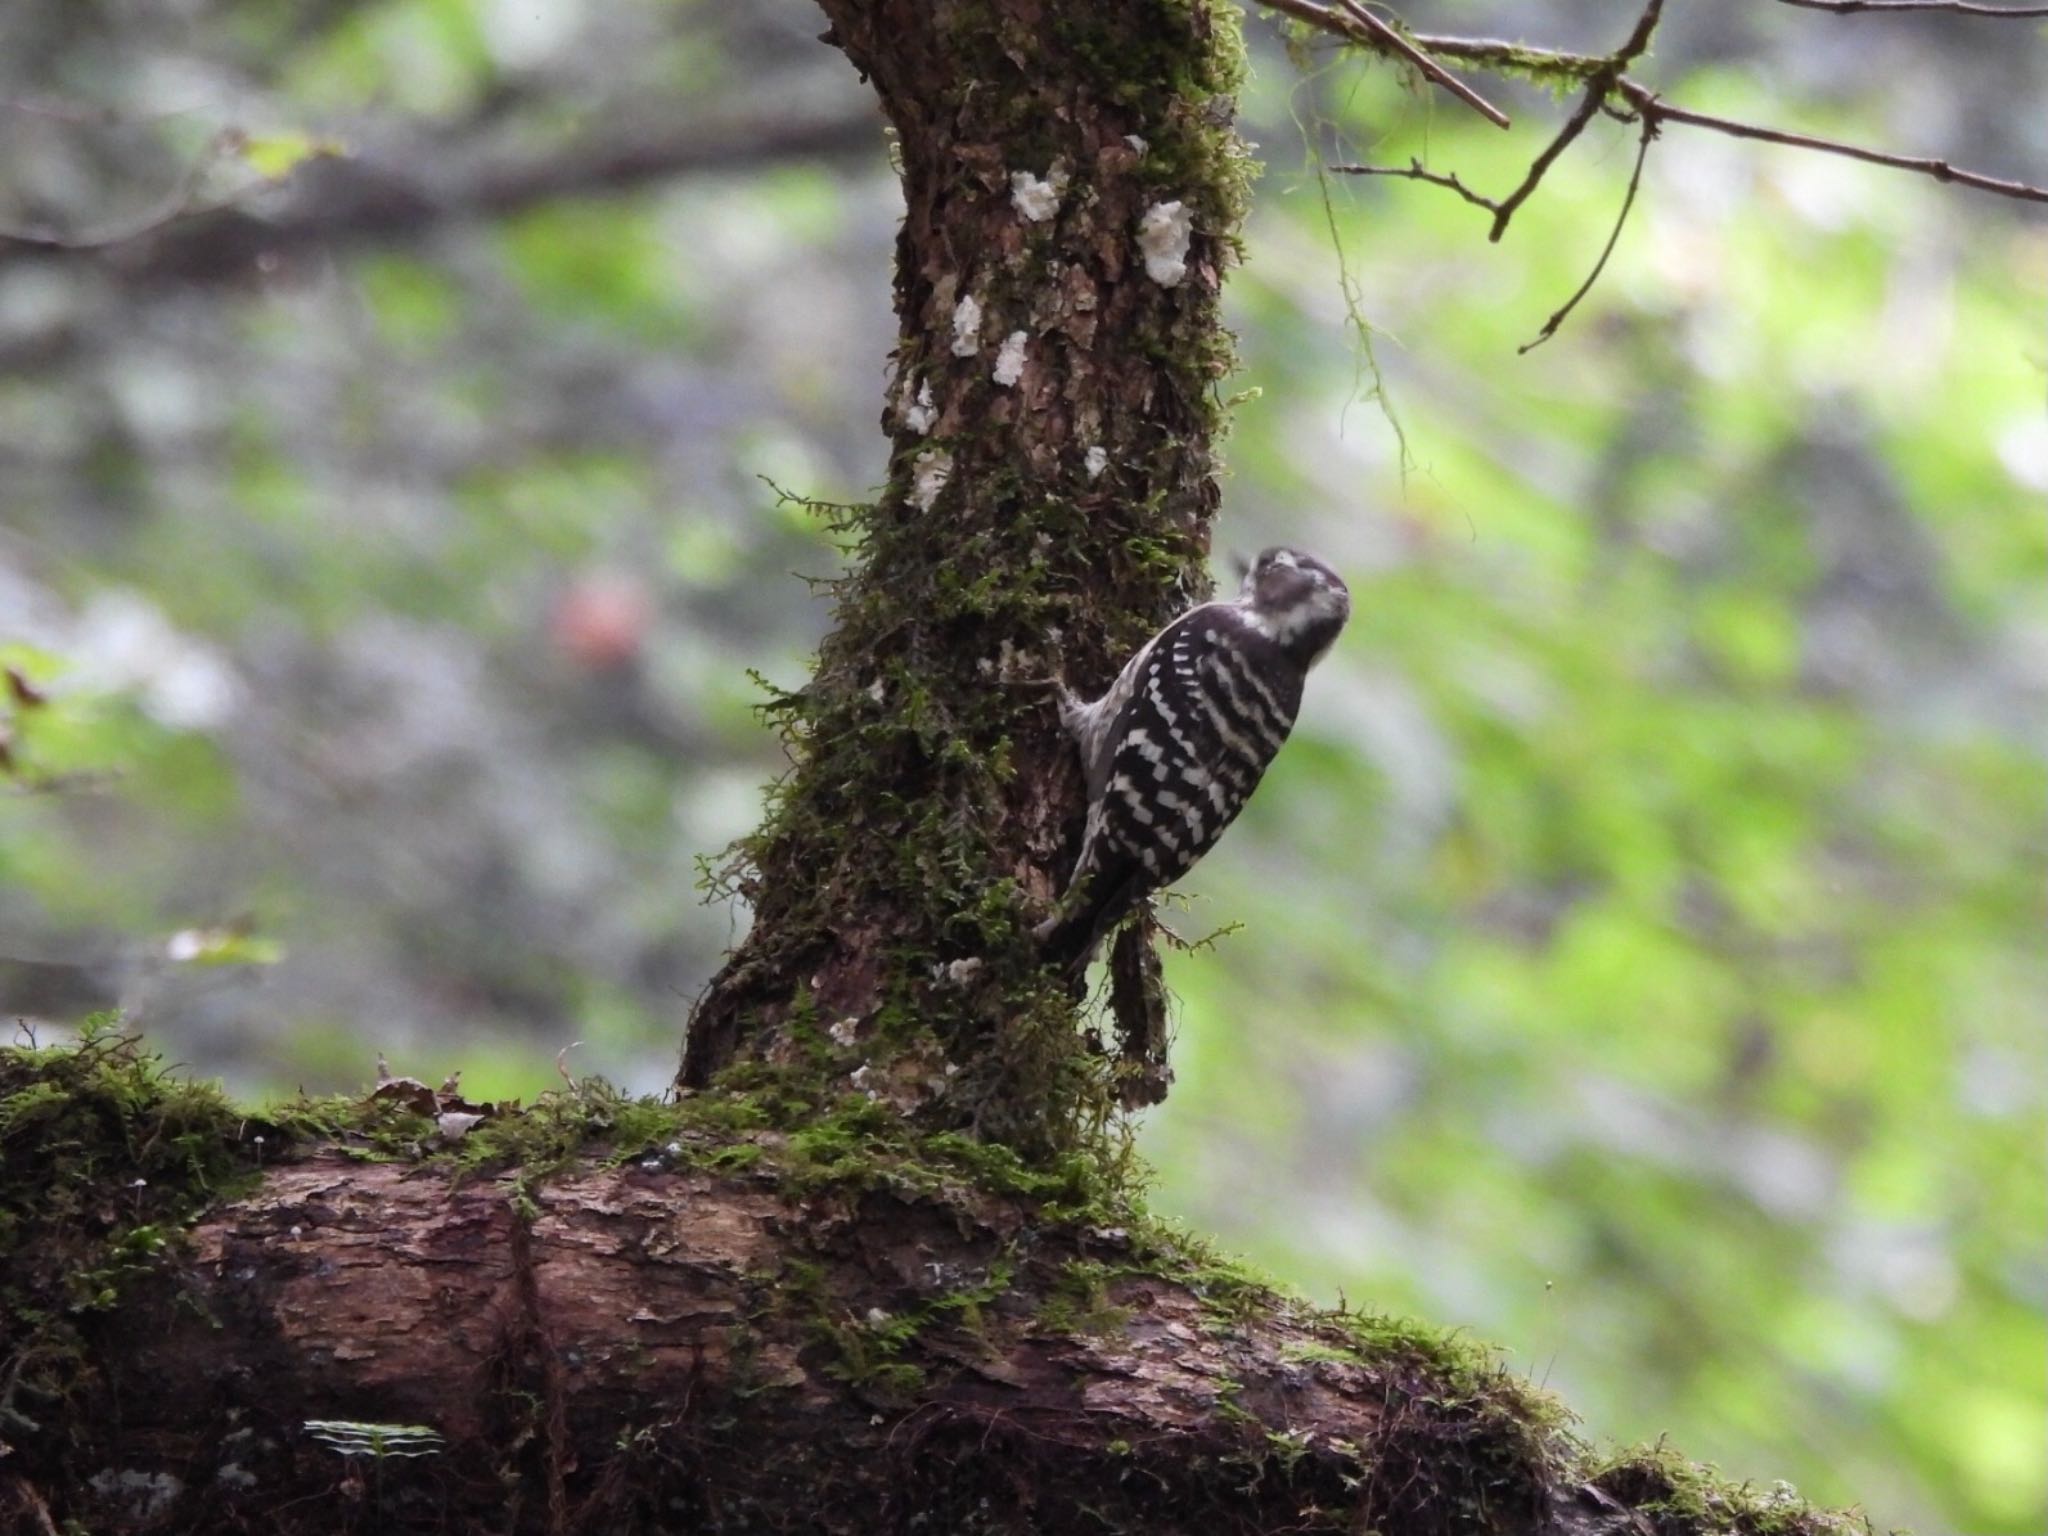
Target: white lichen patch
1095 460
957 973
967 324
1163 235
1037 199
1010 359
144 1496
928 477
1011 664
921 413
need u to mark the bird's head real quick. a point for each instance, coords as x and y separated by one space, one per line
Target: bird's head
1297 601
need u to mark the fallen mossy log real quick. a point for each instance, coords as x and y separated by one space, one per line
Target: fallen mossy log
619 1315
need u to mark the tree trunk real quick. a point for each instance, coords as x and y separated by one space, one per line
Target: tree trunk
1072 188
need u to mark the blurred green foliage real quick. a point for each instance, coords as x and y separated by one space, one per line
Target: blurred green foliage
1663 969
1642 961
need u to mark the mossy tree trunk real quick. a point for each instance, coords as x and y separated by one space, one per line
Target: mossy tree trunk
1072 187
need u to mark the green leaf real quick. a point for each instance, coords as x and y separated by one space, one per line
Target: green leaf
275 156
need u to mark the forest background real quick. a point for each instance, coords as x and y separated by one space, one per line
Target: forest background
1641 957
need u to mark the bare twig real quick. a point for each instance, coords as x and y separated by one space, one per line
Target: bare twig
1589 104
1416 171
1952 7
402 196
1607 87
1649 103
1638 40
1649 131
80 114
1598 87
1391 39
1609 71
174 204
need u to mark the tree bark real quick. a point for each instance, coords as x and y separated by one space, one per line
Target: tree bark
629 1350
603 1315
661 1349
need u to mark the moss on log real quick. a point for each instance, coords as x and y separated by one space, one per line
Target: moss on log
739 1313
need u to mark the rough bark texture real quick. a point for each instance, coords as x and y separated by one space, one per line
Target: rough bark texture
652 1349
618 1316
656 1350
1049 505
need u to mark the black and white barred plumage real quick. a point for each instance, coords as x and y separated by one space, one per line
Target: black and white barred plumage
1175 748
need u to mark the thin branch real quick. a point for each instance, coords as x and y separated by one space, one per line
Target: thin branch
1628 201
1598 86
80 114
1638 40
1952 7
1649 103
1551 64
1606 78
1509 58
1589 104
174 204
1486 52
1424 64
407 195
1416 171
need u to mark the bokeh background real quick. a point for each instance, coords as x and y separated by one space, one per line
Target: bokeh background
1642 955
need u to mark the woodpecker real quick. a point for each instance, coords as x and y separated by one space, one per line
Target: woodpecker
1172 752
